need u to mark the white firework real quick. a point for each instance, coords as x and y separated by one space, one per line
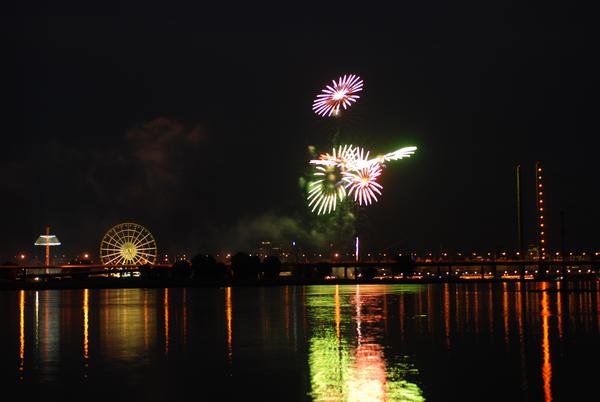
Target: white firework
344 156
342 93
326 190
348 171
362 182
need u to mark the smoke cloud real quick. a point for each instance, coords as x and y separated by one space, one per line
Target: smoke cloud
310 233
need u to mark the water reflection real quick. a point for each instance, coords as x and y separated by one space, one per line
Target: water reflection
598 310
447 315
21 333
559 311
286 307
519 307
185 317
346 348
51 333
86 307
146 336
166 319
126 328
547 364
490 310
332 343
476 311
505 310
229 315
37 319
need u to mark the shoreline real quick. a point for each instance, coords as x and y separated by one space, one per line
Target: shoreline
114 283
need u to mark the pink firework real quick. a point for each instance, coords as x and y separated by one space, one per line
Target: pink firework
363 183
342 93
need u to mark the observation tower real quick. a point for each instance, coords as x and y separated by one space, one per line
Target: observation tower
47 241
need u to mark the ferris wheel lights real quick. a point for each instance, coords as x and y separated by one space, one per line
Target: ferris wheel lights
128 244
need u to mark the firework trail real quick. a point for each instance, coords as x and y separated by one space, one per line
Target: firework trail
341 93
399 154
392 156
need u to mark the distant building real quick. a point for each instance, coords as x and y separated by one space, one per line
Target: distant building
283 250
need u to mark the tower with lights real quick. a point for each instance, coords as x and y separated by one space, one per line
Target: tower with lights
47 240
540 209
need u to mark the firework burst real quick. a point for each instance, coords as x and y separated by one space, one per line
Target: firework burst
362 179
340 94
326 190
348 171
345 155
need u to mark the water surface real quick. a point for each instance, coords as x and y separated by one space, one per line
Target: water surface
473 341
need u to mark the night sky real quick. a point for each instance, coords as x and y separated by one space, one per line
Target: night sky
195 122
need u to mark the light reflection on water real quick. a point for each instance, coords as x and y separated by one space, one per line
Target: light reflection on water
547 365
122 333
229 309
166 312
21 332
326 343
86 327
346 356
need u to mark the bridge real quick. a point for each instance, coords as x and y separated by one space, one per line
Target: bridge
440 270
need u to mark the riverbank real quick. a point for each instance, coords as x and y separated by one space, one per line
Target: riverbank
111 283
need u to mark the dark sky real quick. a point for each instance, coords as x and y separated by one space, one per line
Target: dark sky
195 122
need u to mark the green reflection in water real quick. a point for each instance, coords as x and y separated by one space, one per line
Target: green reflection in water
398 388
346 358
329 366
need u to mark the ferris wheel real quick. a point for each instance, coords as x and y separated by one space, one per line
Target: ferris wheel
128 244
